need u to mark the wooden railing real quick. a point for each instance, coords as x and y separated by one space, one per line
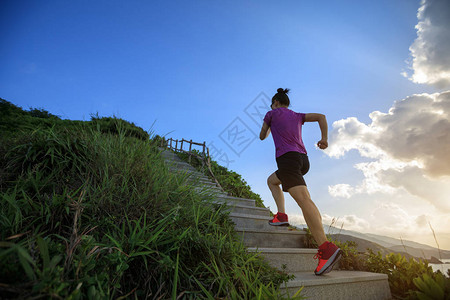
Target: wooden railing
177 146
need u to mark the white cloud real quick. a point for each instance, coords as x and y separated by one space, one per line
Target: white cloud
341 190
413 180
348 222
394 218
372 182
353 135
431 50
409 145
422 220
296 219
415 131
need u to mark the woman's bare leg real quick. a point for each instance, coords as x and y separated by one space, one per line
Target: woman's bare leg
312 215
274 185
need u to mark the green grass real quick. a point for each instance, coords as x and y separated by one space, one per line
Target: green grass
88 210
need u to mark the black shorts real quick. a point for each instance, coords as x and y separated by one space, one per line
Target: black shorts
291 168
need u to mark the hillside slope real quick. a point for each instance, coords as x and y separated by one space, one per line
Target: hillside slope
409 248
89 210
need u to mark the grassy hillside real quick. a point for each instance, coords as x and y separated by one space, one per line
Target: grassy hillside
88 210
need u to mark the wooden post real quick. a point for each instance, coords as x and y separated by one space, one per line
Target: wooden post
208 158
170 143
204 146
181 147
190 149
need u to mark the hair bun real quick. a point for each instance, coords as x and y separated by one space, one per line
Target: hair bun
284 91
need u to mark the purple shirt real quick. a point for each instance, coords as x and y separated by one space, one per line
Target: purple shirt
286 128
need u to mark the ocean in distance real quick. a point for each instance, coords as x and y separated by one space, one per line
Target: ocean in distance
442 267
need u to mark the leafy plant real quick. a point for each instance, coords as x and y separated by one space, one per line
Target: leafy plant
351 259
401 271
432 287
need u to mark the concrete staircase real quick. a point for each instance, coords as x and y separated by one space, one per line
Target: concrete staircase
284 248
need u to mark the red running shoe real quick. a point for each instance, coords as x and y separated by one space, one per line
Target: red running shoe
329 254
280 219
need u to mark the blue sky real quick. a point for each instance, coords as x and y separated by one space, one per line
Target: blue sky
192 68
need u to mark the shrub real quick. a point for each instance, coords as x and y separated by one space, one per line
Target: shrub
351 258
401 271
436 287
112 125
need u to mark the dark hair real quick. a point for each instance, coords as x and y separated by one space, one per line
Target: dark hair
282 97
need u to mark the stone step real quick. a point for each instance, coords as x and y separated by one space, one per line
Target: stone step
341 285
289 259
199 177
199 183
250 221
214 190
175 160
200 180
189 171
169 155
194 176
283 247
183 168
249 210
178 163
272 238
208 186
203 181
236 200
211 188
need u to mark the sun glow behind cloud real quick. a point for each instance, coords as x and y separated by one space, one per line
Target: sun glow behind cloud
409 145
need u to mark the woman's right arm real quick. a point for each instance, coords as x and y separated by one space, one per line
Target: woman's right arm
265 130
